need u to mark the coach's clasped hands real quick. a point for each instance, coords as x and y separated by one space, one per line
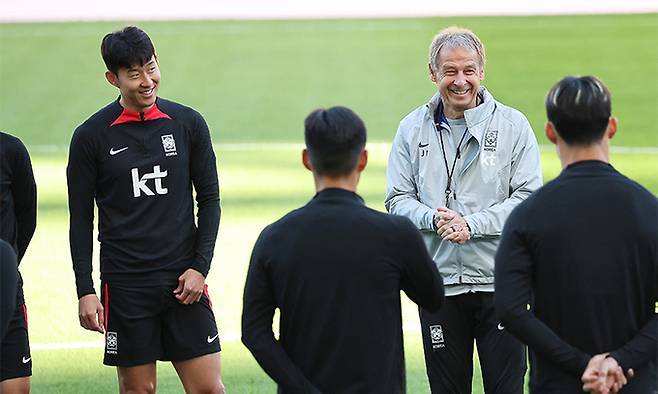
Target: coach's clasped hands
451 226
190 286
603 375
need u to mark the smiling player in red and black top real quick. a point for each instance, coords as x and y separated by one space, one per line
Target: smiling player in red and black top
139 158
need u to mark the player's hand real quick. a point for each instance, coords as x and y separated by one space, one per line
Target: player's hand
91 313
604 375
190 286
451 226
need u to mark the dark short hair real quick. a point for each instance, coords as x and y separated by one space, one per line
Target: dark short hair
125 48
334 139
579 108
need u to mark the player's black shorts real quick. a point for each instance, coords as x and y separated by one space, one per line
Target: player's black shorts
15 357
145 324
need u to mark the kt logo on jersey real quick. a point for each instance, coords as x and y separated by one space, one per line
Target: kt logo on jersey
140 184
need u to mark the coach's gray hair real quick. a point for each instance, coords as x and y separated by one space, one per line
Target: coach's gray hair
456 37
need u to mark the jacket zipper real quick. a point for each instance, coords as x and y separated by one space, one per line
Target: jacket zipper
144 149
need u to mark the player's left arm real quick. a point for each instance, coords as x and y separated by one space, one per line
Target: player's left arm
641 349
203 172
24 191
514 283
420 279
525 178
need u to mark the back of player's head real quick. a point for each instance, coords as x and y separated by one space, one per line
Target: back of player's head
579 108
334 139
456 37
125 48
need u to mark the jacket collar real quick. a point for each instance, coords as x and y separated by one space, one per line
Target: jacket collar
475 117
126 115
337 195
588 164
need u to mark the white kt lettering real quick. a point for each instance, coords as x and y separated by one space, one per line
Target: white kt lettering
139 184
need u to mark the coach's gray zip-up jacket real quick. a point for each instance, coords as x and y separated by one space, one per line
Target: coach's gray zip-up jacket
499 168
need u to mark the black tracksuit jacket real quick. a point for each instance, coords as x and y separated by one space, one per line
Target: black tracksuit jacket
335 269
18 199
582 251
140 168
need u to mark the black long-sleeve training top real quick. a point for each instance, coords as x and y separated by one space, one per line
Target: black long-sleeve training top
18 199
8 286
335 269
140 168
583 252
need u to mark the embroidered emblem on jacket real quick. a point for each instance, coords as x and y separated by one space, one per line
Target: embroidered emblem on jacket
490 140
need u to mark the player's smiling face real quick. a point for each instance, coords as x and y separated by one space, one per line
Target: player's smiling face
138 85
458 78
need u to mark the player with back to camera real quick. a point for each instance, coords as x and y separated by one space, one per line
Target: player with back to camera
582 251
334 268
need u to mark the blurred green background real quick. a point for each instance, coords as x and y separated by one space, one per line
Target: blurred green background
255 82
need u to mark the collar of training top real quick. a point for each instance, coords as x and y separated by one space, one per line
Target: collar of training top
338 194
134 116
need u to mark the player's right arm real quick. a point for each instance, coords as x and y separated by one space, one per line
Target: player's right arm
24 190
81 182
257 314
514 287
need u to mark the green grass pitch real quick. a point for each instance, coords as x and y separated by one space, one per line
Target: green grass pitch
254 82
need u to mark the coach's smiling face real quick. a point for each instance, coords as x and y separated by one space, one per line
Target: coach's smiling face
458 78
138 85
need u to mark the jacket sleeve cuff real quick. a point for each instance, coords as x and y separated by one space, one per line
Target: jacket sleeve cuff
581 363
619 357
199 264
429 221
84 287
472 225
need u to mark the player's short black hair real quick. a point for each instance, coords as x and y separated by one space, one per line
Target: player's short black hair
125 48
334 139
579 108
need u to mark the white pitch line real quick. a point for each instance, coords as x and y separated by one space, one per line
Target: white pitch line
251 146
229 337
66 345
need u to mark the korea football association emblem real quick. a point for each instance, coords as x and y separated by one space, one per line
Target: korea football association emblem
111 342
169 145
436 335
490 140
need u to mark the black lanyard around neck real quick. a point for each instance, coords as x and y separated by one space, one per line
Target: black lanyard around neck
438 115
450 172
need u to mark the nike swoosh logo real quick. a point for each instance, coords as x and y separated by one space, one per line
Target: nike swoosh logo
421 145
26 360
114 152
501 327
212 339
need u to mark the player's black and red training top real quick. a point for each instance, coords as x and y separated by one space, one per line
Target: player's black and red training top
140 168
18 199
